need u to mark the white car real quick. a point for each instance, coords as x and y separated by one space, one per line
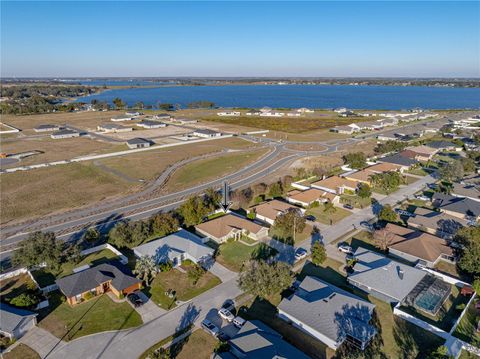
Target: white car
226 315
300 253
210 328
239 322
345 248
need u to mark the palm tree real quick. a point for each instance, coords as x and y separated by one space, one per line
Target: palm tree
146 269
328 207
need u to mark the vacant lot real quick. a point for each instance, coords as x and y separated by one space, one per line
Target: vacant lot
21 351
204 170
96 315
56 150
46 190
289 124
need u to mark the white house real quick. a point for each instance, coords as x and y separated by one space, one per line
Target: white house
15 322
305 110
229 113
348 129
121 118
47 128
206 133
294 114
113 128
176 248
151 124
138 143
66 133
133 113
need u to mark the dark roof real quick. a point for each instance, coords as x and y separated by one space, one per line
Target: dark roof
12 317
206 131
256 340
137 140
64 132
441 144
398 159
83 281
447 202
45 126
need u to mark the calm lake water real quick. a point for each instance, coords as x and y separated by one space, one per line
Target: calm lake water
294 96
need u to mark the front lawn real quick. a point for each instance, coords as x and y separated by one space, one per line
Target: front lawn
96 315
417 171
233 254
45 277
410 179
328 218
199 345
21 351
466 329
181 284
355 201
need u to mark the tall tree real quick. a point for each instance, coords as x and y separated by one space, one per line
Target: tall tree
164 223
119 104
469 239
364 190
286 223
193 210
38 248
382 239
146 269
263 280
275 190
356 160
319 254
387 214
452 171
329 208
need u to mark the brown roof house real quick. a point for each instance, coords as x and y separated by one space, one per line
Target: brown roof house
418 247
423 153
268 211
97 280
309 196
231 226
336 185
364 175
437 223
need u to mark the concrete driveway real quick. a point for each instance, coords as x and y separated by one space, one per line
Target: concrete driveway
149 310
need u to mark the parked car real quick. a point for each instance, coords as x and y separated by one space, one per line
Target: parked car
300 253
229 304
422 198
210 328
404 213
226 315
135 299
345 248
223 337
366 225
309 217
239 322
347 206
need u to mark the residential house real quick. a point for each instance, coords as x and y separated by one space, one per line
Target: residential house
162 116
418 247
231 226
267 212
469 187
423 153
175 248
329 314
397 159
305 110
65 133
348 129
15 322
184 121
385 167
133 113
437 223
460 207
386 122
97 280
151 124
294 114
47 128
229 113
311 195
138 143
113 128
121 118
206 133
371 125
336 185
471 123
253 112
362 176
271 114
382 277
256 340
388 136
443 146
347 114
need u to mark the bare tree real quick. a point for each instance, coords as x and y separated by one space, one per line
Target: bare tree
382 239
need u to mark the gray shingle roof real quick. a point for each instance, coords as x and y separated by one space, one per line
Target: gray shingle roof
206 131
64 132
441 144
461 205
137 140
437 221
384 275
174 244
398 159
83 281
12 317
257 341
330 311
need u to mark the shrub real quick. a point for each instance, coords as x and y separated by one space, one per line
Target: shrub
195 272
25 300
166 266
251 215
88 295
460 307
315 204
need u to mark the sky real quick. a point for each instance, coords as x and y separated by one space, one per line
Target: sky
233 38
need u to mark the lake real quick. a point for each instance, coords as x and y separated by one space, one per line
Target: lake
295 96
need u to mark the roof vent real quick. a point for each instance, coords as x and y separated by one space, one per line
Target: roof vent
401 273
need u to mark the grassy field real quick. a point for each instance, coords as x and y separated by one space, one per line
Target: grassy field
21 351
181 284
149 165
212 168
96 315
45 278
12 287
198 345
466 330
325 218
310 122
233 254
46 190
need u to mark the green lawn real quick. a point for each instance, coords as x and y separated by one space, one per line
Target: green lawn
410 179
466 330
233 254
96 315
181 284
12 287
355 201
299 237
21 351
467 355
324 217
46 277
417 171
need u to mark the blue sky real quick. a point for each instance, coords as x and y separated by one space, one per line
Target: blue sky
413 39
